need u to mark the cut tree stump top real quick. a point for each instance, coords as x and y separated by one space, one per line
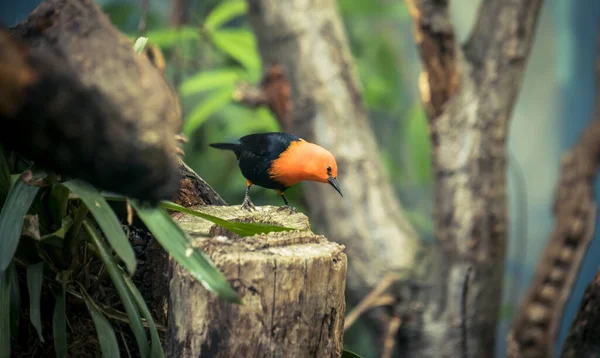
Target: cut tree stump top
291 284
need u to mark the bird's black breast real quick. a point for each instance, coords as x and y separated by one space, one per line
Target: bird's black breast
256 154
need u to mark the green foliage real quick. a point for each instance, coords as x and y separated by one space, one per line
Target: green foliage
225 12
59 322
206 81
349 354
34 285
240 44
13 212
178 244
167 38
155 347
240 228
5 332
48 258
106 334
106 219
211 104
117 278
140 44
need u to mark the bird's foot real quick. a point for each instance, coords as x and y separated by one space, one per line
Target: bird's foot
247 204
291 210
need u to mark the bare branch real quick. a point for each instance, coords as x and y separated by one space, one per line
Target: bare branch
389 341
501 39
274 92
143 17
435 38
371 300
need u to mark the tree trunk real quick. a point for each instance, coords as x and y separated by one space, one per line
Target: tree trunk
469 93
536 328
291 284
307 39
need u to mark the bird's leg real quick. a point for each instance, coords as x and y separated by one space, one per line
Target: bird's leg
287 205
247 204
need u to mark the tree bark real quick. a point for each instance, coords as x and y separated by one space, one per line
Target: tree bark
537 325
291 284
582 341
90 106
469 93
307 39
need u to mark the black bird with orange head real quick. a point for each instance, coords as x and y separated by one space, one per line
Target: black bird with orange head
278 160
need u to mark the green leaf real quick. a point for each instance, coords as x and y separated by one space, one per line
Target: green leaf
156 350
349 354
170 37
12 215
240 228
35 277
207 107
116 275
59 324
226 11
209 80
240 44
106 219
4 174
178 245
5 313
58 202
15 302
56 238
140 44
106 334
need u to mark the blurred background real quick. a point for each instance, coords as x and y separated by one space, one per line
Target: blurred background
215 49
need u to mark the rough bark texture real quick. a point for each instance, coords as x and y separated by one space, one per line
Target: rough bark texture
470 93
582 341
536 328
89 106
307 39
291 284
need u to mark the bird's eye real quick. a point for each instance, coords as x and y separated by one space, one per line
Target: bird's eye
328 170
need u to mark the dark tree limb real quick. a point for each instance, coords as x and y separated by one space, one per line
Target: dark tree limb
435 38
470 93
273 92
535 330
84 112
582 341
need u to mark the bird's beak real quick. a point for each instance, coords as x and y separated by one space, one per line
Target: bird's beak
334 183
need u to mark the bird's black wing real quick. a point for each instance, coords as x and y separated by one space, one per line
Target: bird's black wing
268 145
257 153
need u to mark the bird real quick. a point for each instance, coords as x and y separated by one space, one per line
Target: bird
278 160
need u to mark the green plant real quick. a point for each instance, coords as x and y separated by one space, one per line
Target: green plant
64 235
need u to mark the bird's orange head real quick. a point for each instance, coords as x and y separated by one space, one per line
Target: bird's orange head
305 161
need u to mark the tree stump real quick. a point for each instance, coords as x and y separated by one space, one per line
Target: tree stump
291 283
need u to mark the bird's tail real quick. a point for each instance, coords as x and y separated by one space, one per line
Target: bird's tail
226 146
